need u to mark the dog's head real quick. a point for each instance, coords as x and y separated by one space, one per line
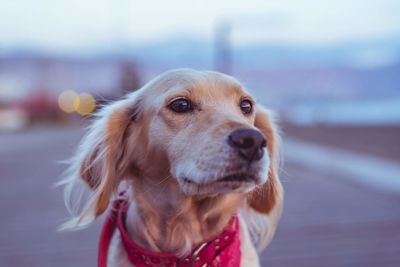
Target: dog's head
201 129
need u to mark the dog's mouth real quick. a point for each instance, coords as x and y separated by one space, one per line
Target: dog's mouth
236 178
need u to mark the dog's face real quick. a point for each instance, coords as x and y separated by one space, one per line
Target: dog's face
200 129
206 128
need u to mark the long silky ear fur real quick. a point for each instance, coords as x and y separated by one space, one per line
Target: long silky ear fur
98 163
266 201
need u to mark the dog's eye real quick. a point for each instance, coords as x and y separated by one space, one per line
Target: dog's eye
246 106
181 105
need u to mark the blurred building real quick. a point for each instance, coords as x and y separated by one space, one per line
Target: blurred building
30 85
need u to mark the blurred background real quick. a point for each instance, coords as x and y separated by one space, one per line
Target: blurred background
331 70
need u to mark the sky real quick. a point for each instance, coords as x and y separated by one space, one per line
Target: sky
75 24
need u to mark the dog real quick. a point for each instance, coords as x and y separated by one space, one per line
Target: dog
190 164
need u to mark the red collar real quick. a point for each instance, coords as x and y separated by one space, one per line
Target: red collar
224 250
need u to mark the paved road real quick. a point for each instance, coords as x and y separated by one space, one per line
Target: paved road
329 219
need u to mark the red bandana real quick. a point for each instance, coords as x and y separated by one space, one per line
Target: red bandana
222 251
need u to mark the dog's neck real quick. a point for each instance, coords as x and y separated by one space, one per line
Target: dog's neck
161 218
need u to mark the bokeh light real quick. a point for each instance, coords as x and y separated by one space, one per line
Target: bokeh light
66 101
84 104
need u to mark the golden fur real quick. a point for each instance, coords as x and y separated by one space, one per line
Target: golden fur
140 145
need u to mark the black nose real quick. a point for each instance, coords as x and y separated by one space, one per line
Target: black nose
248 142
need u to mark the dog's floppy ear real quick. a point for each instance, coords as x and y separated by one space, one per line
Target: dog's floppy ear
266 201
101 160
270 194
104 165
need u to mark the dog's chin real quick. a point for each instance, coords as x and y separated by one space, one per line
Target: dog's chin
236 183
